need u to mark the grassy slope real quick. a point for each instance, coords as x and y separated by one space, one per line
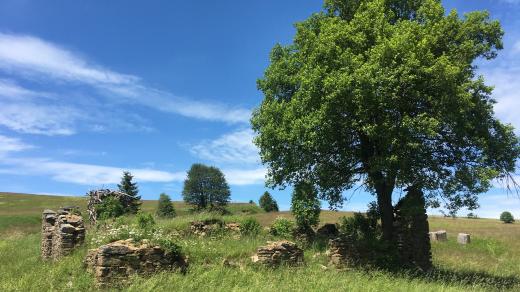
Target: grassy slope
491 262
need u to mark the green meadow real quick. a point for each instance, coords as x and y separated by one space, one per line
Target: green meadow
490 263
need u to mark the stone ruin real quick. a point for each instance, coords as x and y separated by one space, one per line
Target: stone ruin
62 232
206 227
411 231
116 262
278 253
441 235
463 238
342 252
96 197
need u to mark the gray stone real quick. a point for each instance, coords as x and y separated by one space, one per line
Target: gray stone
116 262
441 235
279 252
61 234
463 238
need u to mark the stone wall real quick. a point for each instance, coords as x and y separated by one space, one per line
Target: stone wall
62 232
278 253
412 231
342 252
116 262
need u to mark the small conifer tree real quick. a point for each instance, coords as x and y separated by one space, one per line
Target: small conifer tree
165 207
132 202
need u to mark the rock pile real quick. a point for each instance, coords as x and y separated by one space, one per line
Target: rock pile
117 261
463 238
233 227
441 235
279 252
205 227
342 252
62 232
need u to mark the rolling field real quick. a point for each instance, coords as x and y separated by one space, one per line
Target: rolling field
490 263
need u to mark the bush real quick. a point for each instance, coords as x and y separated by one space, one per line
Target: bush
145 221
250 227
507 217
165 207
282 227
305 206
110 207
268 203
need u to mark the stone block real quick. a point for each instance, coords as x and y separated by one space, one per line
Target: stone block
463 238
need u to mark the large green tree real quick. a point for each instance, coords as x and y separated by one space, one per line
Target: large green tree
132 201
206 187
384 93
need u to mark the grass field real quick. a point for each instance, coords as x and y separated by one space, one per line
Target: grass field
490 263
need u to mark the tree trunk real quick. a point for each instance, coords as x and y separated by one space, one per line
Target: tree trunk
384 201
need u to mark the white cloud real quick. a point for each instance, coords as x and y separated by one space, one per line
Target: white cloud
96 175
244 176
8 144
86 174
32 55
9 89
34 58
235 147
506 80
38 119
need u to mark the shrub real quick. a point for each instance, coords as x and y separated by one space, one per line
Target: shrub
358 227
145 221
305 206
165 207
169 246
507 217
110 207
268 203
282 227
250 227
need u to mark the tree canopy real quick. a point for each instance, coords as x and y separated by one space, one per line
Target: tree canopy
385 93
205 187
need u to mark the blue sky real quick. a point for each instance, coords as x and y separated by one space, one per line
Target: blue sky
89 88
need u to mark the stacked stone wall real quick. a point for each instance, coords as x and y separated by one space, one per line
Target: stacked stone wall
62 232
116 262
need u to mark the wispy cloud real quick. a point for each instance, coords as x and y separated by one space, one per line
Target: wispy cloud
8 144
38 119
33 58
235 147
245 177
97 175
85 174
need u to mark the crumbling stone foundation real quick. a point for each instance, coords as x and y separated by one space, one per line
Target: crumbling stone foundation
62 232
342 252
412 231
116 262
279 252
